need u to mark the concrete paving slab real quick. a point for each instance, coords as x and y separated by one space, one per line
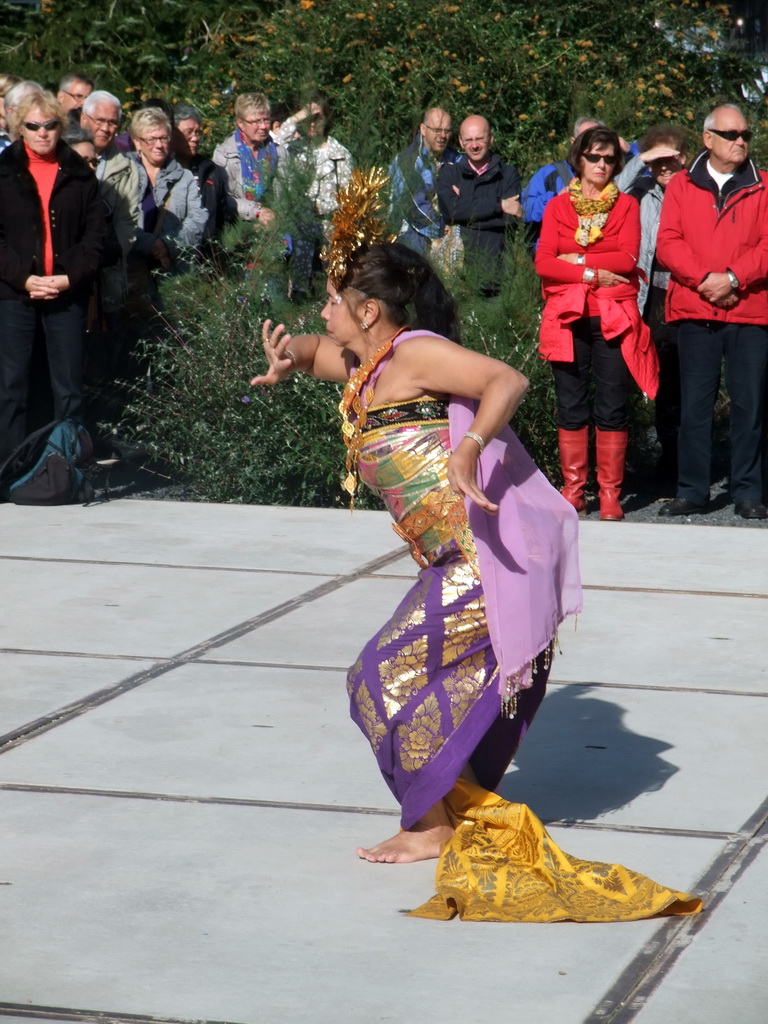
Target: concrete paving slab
682 640
629 757
179 908
260 914
660 556
132 609
721 975
661 759
26 1020
331 631
214 730
34 685
327 541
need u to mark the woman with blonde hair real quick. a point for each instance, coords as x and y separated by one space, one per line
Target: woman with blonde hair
172 220
51 240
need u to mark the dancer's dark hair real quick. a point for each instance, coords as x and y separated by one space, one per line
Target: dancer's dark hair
407 286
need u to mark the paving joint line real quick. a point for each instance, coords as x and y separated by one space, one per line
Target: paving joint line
176 565
611 588
290 805
637 983
82 654
37 1012
674 590
190 655
306 667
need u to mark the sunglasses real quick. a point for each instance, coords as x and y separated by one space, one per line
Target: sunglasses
594 158
731 135
33 126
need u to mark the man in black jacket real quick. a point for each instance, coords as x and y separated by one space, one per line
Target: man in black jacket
481 194
49 255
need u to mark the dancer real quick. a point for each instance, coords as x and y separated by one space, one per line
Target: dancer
446 690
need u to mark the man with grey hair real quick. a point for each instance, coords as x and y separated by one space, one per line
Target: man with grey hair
713 238
13 98
211 179
74 90
100 116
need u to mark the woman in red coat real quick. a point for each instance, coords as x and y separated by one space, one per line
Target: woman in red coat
591 327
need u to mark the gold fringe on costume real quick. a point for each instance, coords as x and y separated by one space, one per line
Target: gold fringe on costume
502 865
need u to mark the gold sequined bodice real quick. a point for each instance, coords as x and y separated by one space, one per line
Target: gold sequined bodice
404 459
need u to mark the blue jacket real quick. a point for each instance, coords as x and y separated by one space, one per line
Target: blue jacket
546 183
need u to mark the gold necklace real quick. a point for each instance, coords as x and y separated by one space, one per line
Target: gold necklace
354 403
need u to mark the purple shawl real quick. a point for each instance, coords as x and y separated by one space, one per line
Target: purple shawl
528 552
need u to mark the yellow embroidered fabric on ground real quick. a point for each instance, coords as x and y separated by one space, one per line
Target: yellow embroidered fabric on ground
502 865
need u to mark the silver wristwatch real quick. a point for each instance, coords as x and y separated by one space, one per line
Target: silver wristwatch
581 259
733 279
589 276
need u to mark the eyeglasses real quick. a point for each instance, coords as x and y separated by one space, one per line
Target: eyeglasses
156 140
440 131
102 122
33 126
260 121
81 97
191 133
595 158
731 135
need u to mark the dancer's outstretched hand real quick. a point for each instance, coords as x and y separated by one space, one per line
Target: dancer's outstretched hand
276 344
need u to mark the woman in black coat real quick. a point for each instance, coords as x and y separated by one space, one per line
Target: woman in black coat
51 238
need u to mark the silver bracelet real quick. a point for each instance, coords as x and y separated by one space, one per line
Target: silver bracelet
476 437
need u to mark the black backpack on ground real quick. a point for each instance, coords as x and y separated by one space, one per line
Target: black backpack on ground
52 466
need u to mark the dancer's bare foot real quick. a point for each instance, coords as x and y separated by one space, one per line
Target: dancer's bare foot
406 847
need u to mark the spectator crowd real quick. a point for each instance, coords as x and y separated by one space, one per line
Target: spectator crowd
653 256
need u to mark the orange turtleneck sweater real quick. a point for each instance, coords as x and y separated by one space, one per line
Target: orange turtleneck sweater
44 170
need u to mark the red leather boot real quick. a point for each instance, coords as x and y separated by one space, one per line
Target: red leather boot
611 447
573 463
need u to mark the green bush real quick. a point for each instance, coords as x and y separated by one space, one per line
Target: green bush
530 68
195 408
233 443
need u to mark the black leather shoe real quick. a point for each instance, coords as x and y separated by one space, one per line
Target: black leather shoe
681 507
751 508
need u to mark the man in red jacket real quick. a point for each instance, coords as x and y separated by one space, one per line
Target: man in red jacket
713 237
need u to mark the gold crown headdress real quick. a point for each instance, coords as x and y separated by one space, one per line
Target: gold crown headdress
356 221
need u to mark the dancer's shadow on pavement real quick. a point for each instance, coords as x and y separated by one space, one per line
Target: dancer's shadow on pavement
580 761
